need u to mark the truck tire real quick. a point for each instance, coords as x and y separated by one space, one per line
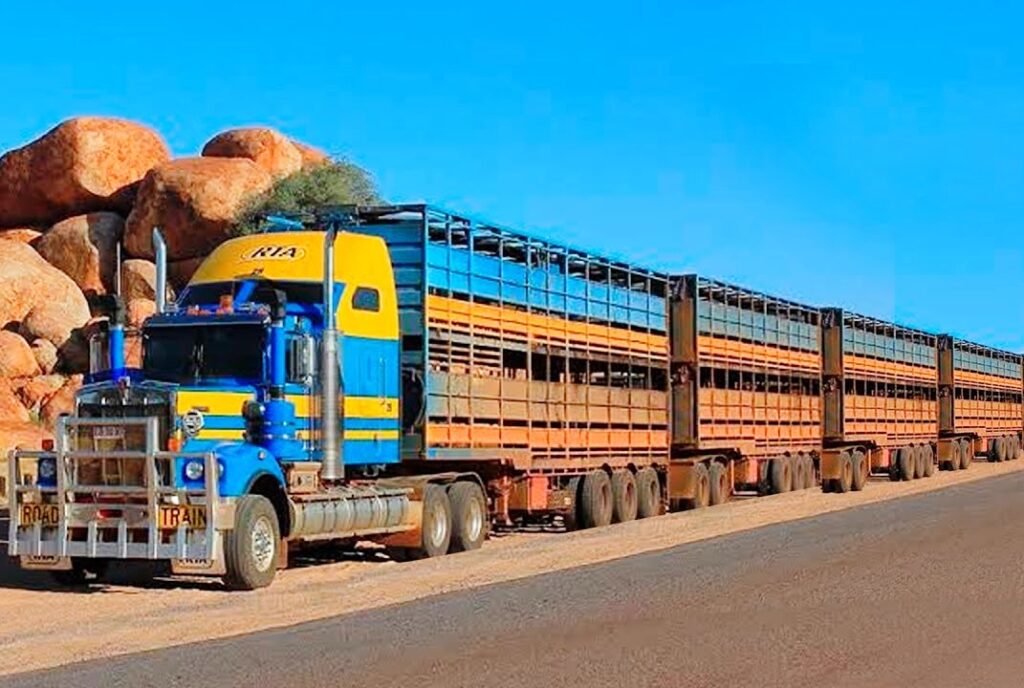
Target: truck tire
798 471
906 462
966 453
469 516
701 487
994 455
624 498
929 460
571 518
251 547
648 493
436 527
844 482
780 475
721 489
953 462
809 477
918 462
860 470
596 500
1013 448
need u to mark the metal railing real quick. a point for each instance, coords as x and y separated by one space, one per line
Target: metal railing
122 528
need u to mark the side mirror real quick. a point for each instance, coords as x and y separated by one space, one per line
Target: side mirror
302 359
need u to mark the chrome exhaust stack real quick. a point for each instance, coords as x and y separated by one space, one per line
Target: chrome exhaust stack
333 467
160 247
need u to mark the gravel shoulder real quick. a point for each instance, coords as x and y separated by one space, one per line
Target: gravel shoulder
45 627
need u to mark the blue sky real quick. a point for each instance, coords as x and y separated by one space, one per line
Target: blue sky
869 156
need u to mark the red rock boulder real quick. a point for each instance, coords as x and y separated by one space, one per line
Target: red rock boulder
84 247
61 401
46 355
311 157
16 356
11 408
139 310
37 297
25 235
179 272
265 147
82 165
34 391
194 202
138 281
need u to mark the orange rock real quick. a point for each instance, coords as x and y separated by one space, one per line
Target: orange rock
179 272
82 165
34 391
265 147
26 235
138 281
84 247
37 296
194 202
46 355
61 401
16 357
133 352
311 157
139 310
20 435
11 408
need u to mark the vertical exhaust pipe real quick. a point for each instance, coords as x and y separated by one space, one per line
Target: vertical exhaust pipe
160 247
333 467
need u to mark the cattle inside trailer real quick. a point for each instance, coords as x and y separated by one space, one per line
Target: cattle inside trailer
880 390
746 377
980 410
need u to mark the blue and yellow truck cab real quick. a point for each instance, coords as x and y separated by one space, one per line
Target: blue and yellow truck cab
266 412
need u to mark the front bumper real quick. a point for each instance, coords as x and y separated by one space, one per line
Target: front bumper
119 521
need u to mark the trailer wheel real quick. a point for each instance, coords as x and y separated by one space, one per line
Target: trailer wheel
929 460
859 470
571 518
809 478
780 475
798 471
624 498
469 516
701 488
596 500
953 463
906 462
844 482
918 462
966 453
721 489
1013 448
251 547
648 493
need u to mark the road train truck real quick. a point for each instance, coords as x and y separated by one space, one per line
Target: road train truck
400 375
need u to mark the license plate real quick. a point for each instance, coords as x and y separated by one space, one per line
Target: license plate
46 514
192 516
108 432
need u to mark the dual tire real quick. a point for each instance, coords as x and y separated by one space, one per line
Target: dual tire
599 500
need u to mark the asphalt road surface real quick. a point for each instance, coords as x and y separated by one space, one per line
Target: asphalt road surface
924 591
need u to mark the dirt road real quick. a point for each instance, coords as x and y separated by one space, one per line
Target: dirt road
861 561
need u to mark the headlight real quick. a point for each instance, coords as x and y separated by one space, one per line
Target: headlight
194 470
47 469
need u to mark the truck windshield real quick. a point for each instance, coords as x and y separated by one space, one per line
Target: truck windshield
189 354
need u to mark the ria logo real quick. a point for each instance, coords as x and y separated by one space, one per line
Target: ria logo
274 253
192 422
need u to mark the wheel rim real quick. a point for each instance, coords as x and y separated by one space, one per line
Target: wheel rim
438 527
474 524
262 540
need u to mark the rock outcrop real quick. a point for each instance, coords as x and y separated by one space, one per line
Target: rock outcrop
82 165
265 147
194 202
16 356
84 247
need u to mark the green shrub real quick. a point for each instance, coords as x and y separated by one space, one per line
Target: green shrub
333 183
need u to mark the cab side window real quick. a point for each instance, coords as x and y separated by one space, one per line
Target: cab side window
366 299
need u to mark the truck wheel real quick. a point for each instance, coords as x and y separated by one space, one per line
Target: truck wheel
571 518
469 516
721 489
648 493
809 479
844 482
624 499
905 461
995 454
250 548
1013 448
929 460
918 462
953 463
780 475
966 453
701 487
596 500
798 471
860 471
